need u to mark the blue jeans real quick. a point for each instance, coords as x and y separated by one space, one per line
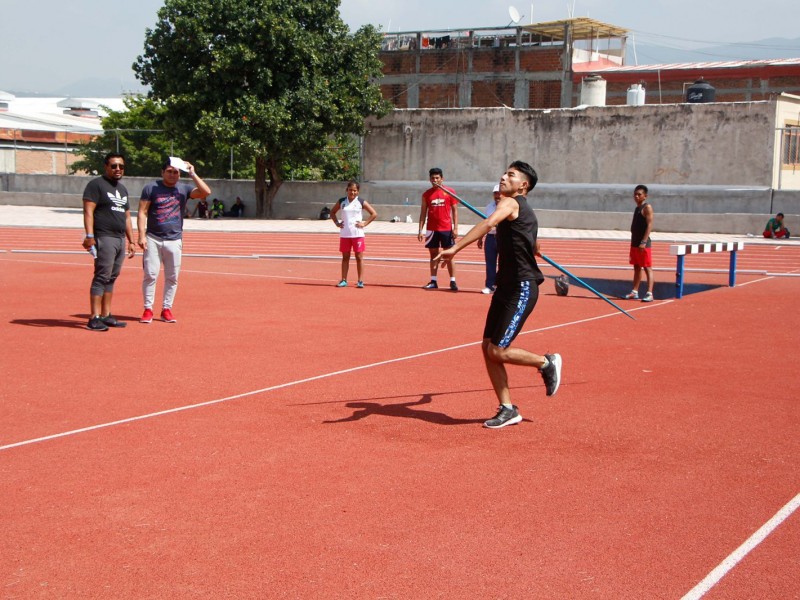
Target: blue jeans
490 253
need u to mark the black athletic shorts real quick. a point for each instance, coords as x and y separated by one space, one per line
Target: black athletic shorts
439 239
508 311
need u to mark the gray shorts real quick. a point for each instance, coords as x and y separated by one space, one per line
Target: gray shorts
108 264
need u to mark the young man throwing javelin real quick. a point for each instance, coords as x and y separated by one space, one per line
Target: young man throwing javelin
518 280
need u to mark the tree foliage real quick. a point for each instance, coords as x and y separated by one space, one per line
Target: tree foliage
283 80
135 132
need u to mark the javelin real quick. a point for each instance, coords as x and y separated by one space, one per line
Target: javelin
552 262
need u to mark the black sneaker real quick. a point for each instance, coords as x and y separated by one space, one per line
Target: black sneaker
453 286
551 374
96 324
431 285
505 416
112 322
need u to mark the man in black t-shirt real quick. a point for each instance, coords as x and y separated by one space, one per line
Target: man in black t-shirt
518 279
107 220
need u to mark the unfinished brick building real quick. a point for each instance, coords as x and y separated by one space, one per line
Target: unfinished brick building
542 65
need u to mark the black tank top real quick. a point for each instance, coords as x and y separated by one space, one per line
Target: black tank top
638 227
516 246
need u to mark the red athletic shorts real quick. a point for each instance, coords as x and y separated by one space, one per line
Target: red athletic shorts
641 257
357 245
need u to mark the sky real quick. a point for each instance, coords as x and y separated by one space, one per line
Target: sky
50 44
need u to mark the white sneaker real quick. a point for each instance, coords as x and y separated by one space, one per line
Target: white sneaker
486 291
632 296
648 297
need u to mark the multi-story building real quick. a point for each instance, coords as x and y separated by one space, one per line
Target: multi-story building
542 65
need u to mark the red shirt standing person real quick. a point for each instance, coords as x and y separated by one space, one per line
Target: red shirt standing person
440 210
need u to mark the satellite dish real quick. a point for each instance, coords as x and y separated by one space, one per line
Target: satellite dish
514 14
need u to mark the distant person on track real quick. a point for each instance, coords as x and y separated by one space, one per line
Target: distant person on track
440 210
351 230
489 245
160 225
107 221
775 229
641 256
518 281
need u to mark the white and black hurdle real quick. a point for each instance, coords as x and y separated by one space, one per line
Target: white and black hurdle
681 250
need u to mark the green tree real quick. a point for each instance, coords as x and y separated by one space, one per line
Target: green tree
136 132
280 78
142 133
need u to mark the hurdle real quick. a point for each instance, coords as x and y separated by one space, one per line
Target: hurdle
681 250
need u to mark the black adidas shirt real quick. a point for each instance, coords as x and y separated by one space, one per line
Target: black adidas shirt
111 199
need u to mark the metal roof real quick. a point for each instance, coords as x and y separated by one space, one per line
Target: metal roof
47 114
582 28
727 64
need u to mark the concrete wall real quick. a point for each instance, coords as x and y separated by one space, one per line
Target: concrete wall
708 166
295 199
686 209
701 144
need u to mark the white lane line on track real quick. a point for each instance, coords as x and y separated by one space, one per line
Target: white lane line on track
300 382
737 555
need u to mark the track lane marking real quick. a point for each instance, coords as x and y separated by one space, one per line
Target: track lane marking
279 386
737 555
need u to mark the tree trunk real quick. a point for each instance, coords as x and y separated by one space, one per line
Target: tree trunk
265 193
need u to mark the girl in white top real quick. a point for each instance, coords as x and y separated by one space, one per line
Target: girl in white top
351 225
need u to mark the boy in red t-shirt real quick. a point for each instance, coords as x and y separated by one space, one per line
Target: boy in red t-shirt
440 210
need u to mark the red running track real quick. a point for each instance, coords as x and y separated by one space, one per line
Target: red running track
779 259
290 439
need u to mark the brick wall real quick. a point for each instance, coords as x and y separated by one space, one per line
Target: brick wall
541 59
438 96
398 63
492 93
43 162
442 61
545 94
493 60
481 65
396 94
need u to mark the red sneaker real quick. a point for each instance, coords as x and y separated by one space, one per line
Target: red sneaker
166 316
147 316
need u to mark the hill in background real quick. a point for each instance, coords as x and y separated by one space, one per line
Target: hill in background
759 50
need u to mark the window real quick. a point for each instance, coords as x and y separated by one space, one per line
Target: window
791 146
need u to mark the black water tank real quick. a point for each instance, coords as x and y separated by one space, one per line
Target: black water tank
700 91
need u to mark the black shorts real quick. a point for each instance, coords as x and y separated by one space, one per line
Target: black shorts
437 239
508 311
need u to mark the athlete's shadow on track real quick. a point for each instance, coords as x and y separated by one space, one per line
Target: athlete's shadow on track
69 324
403 410
388 285
616 289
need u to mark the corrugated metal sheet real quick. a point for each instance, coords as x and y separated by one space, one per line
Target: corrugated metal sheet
726 64
47 114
